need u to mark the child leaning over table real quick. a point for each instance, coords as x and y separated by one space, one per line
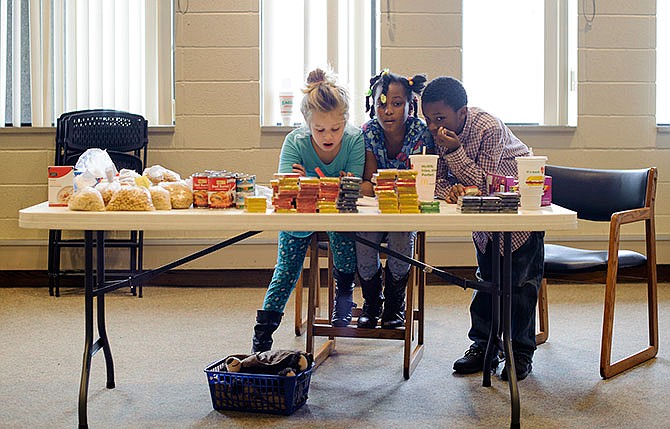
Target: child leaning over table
331 144
391 136
472 143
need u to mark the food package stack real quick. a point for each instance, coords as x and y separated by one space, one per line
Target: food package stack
283 199
429 206
385 190
408 199
509 201
350 189
305 202
469 204
329 190
254 204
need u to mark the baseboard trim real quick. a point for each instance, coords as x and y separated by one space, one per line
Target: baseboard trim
251 278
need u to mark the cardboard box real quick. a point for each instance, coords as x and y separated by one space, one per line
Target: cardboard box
546 196
61 179
498 183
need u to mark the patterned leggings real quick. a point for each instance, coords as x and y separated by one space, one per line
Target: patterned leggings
368 258
290 259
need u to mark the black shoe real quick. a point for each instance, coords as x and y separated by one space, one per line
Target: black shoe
473 361
523 366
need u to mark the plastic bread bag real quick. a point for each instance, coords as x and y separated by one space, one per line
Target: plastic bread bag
181 194
127 176
160 197
107 190
86 199
93 166
131 198
158 173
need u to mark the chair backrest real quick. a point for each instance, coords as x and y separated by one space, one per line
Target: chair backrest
597 194
123 135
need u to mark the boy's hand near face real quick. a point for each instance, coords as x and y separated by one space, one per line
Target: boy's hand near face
447 139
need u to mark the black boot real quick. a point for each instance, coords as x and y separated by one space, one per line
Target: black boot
372 307
344 298
267 321
394 307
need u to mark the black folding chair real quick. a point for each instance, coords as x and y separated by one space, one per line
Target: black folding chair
125 138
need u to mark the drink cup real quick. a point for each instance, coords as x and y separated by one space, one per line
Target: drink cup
426 168
286 107
531 180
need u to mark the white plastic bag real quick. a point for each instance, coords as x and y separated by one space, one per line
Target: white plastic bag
93 166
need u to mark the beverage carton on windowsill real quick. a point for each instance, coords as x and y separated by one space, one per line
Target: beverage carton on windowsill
61 178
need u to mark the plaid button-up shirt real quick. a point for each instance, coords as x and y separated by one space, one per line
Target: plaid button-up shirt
487 146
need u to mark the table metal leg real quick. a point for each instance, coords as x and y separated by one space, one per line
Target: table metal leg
102 330
507 329
88 317
494 339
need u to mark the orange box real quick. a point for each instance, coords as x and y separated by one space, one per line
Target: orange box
61 179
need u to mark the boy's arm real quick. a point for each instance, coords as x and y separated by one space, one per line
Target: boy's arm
467 171
367 188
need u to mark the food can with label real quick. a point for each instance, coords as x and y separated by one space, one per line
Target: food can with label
200 190
221 190
245 187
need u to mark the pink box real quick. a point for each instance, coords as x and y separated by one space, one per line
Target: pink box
546 196
498 183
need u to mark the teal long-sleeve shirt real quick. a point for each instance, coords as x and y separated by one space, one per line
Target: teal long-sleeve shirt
298 149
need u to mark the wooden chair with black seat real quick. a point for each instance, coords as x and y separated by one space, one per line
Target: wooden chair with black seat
317 324
618 197
125 138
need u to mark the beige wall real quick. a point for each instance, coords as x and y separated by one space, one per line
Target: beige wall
217 120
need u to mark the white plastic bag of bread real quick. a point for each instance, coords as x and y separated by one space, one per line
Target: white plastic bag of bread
181 193
158 173
127 176
160 197
86 199
131 198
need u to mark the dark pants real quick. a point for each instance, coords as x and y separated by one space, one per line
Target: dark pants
527 272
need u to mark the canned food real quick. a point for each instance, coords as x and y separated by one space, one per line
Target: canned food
200 190
221 193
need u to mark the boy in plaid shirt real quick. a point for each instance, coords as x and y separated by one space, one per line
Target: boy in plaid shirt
472 143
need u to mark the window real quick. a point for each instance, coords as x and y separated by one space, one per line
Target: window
519 59
78 55
300 35
662 63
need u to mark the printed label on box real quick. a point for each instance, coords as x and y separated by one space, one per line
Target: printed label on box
61 178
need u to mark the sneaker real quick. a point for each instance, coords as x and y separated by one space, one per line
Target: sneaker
473 361
523 366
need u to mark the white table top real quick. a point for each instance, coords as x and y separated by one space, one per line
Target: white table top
552 218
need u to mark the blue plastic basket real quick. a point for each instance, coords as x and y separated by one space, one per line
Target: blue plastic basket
257 393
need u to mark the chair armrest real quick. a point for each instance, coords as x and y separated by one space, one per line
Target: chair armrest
630 216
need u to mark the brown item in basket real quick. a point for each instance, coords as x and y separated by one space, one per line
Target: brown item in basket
181 195
160 197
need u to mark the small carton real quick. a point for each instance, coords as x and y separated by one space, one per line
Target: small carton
61 179
497 183
546 195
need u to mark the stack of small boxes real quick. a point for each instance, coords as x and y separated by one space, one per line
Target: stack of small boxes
329 190
509 201
501 202
285 192
408 199
350 188
254 204
305 201
429 206
385 190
